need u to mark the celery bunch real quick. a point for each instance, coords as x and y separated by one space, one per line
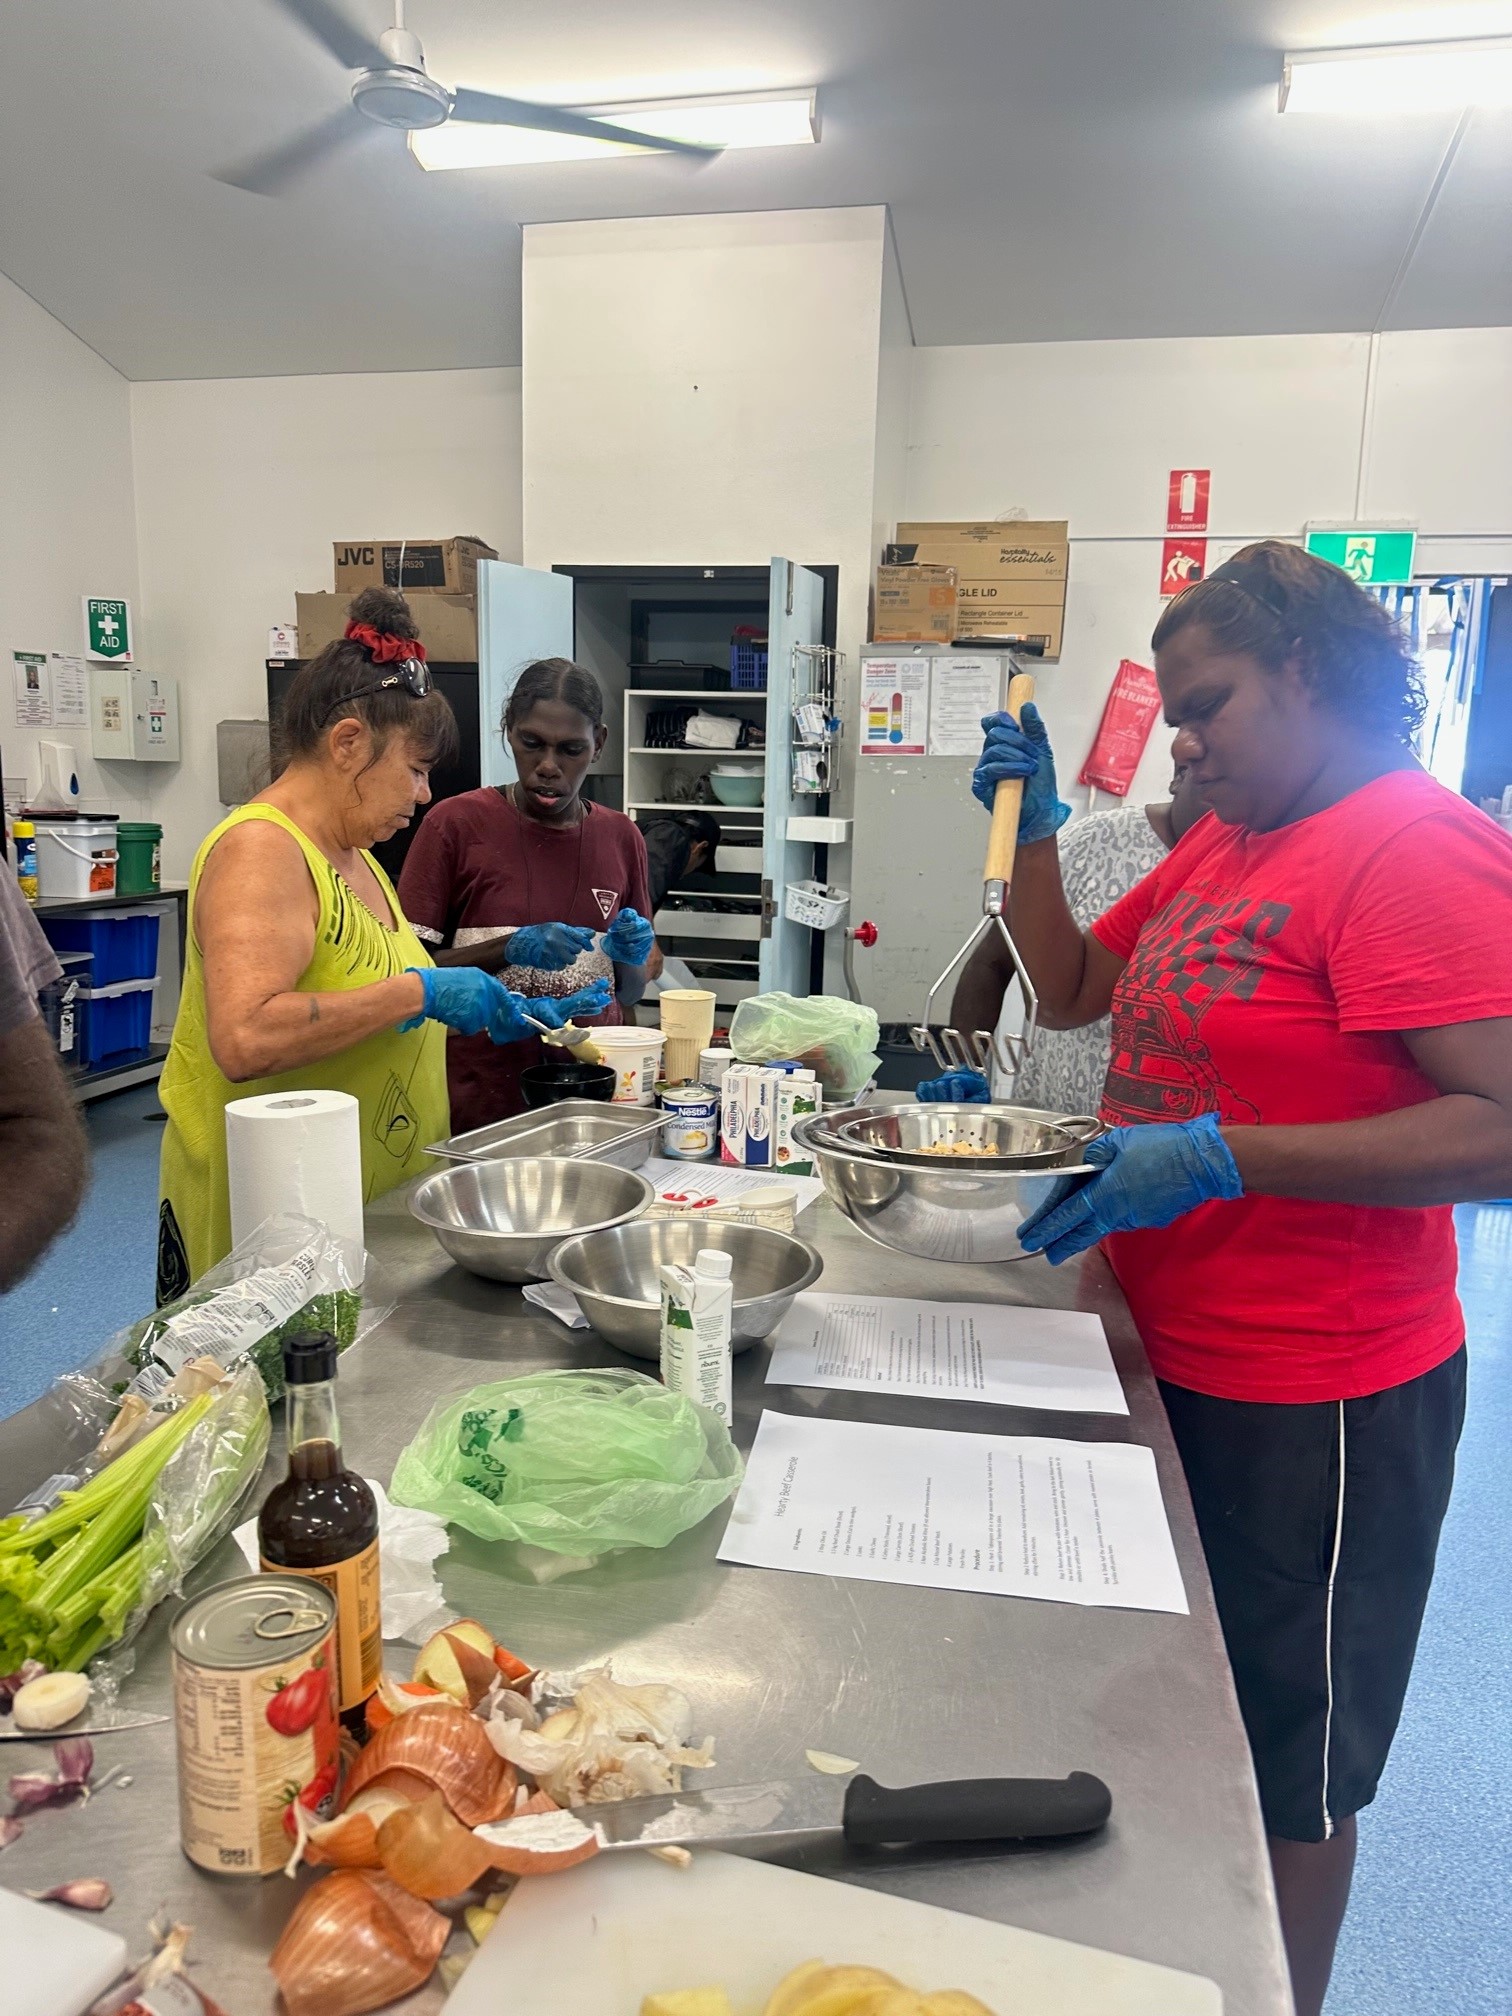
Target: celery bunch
70 1579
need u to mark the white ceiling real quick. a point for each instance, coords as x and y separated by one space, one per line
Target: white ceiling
1054 168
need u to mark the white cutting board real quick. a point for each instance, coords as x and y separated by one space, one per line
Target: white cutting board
593 1941
56 1963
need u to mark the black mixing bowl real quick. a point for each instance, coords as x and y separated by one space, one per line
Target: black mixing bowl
544 1084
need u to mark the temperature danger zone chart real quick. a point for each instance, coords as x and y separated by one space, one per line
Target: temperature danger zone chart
1071 1522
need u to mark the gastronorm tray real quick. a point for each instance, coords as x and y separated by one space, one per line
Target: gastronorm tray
566 1128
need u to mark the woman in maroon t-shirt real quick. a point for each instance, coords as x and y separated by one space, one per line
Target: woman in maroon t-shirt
532 881
1311 1063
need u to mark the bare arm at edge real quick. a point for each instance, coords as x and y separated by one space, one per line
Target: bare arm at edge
41 1145
255 915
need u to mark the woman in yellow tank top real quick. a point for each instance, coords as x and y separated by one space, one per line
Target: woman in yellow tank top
300 970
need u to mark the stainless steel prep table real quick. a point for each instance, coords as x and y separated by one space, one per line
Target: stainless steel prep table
916 1683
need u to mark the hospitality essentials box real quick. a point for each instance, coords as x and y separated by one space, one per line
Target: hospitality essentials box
1010 577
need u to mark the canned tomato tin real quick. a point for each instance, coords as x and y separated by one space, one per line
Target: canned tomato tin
691 1132
254 1709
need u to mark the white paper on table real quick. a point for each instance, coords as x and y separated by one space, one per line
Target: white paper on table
1057 1358
1011 1515
558 1302
695 1183
961 692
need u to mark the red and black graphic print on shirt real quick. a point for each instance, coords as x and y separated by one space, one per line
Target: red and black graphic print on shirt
1190 956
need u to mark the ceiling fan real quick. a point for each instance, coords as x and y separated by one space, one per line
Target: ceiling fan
391 88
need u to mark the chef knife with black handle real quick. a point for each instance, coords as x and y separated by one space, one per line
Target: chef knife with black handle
866 1814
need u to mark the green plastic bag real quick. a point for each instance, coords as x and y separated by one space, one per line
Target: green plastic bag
575 1462
837 1040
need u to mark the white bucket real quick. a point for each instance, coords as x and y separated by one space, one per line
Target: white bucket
636 1056
75 858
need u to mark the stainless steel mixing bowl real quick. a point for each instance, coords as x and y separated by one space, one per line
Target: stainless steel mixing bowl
942 1210
991 1137
613 1275
502 1219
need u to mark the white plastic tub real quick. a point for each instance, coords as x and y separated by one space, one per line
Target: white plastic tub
75 857
636 1056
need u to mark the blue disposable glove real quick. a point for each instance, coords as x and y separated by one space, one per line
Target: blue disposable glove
549 947
1023 751
465 998
556 1009
1151 1176
629 939
960 1087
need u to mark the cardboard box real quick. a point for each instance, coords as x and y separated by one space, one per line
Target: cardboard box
914 605
448 625
797 1099
1010 577
442 566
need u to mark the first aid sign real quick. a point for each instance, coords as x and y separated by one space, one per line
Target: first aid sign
107 628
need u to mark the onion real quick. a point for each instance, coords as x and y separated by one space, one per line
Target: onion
447 1750
428 1850
355 1942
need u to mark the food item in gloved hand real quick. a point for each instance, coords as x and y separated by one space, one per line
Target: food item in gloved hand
50 1700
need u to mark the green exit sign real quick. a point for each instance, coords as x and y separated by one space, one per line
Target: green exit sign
107 626
1377 556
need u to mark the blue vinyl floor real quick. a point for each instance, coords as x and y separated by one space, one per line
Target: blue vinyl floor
1428 1930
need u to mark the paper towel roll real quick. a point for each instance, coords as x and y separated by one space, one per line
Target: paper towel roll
295 1151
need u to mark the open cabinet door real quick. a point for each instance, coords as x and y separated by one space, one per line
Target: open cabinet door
523 614
795 615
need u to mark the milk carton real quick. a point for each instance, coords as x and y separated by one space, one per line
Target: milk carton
797 1098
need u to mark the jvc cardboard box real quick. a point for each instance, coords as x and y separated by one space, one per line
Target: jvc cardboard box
448 625
915 605
1010 577
445 566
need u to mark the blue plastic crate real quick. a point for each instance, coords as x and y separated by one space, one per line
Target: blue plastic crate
118 1026
748 664
123 943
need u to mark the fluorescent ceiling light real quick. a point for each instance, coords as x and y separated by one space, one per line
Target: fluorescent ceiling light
753 119
1401 77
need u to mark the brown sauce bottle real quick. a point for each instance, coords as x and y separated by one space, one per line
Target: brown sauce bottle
322 1520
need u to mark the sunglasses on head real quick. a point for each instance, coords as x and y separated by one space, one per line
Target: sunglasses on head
412 674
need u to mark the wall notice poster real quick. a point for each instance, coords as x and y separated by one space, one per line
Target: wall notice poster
961 692
33 690
1127 718
70 690
894 706
1182 561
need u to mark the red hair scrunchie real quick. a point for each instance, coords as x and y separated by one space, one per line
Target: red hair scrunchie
382 646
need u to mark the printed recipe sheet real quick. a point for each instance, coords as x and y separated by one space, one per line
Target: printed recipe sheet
1011 1515
1056 1358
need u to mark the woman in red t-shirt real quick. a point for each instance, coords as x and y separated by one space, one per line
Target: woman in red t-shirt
532 881
1312 1062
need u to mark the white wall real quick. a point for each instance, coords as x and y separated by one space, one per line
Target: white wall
242 487
67 527
704 390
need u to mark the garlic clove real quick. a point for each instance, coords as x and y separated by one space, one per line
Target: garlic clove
833 1766
85 1893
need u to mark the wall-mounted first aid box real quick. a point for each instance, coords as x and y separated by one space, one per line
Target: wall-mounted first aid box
134 715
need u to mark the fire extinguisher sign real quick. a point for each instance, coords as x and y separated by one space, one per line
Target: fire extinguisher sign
1187 500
